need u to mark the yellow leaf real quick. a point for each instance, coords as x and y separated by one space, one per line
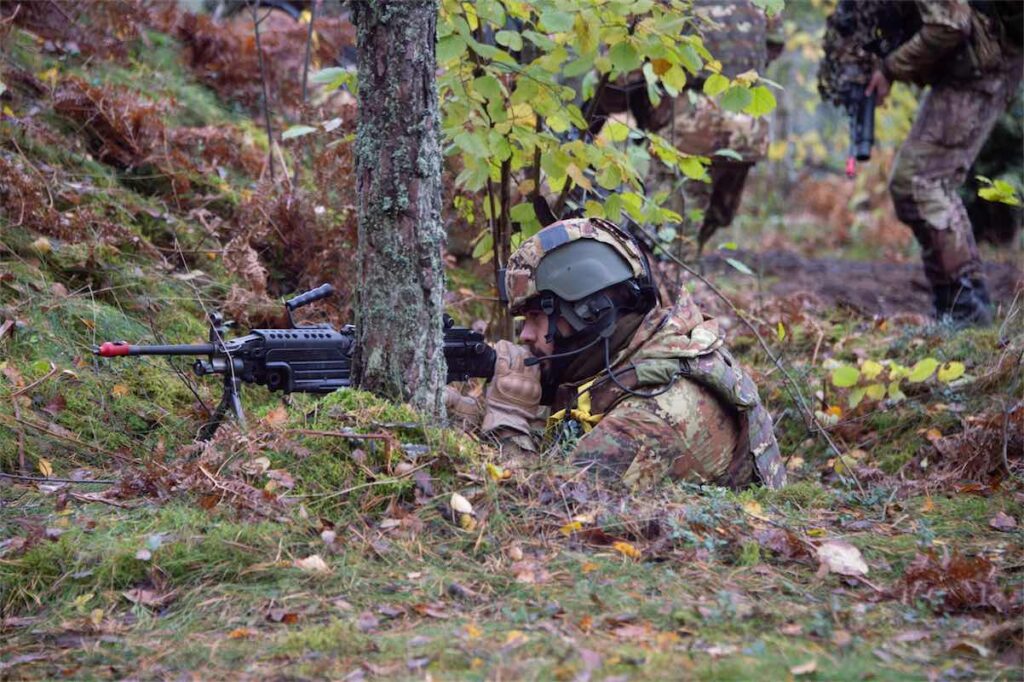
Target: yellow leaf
928 506
588 566
515 637
951 371
816 532
747 78
312 564
44 466
96 616
780 332
933 435
626 549
871 369
875 391
472 631
42 245
241 633
570 528
753 508
834 410
497 473
81 600
8 111
120 390
467 522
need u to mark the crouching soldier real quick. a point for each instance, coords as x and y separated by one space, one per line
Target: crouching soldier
638 391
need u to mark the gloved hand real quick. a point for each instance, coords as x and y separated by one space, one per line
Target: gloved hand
513 395
463 412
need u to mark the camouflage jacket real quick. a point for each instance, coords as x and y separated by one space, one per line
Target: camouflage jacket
954 42
706 424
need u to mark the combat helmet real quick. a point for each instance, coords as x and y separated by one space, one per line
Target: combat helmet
564 268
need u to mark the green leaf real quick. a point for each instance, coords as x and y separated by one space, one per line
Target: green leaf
327 75
729 154
729 246
485 245
674 80
578 67
951 371
690 59
523 213
856 395
780 332
692 168
297 131
540 40
509 39
762 101
875 391
716 84
624 57
736 98
739 265
770 7
845 376
871 369
610 177
895 393
488 86
556 20
923 370
472 143
616 131
450 47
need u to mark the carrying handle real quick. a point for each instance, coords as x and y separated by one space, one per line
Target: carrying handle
322 291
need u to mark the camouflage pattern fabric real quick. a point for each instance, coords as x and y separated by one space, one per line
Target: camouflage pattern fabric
951 126
520 282
952 123
708 427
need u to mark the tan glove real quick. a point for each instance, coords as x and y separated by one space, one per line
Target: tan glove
513 395
464 412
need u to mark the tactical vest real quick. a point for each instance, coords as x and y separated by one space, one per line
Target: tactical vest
717 371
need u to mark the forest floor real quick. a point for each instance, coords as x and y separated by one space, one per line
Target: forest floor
321 542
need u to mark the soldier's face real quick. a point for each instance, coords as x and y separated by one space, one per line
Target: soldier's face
535 329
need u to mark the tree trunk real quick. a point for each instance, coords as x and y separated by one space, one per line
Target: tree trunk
400 349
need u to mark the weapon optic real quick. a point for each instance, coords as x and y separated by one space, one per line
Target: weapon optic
315 358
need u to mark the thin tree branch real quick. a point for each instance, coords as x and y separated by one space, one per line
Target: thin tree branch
256 21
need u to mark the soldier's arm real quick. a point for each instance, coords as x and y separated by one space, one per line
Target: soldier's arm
945 25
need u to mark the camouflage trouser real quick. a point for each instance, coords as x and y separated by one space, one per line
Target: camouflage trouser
951 126
700 127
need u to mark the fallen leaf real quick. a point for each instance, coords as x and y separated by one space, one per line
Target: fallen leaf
753 508
144 554
431 610
44 466
626 549
928 506
467 522
42 245
120 390
472 631
148 597
312 564
276 417
515 553
842 558
460 504
278 615
804 668
1002 521
241 633
570 528
792 629
256 466
96 617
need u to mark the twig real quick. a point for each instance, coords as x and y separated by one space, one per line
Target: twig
22 466
71 439
43 479
53 370
792 387
309 51
89 497
256 21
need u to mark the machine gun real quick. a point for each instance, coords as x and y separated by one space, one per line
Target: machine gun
301 359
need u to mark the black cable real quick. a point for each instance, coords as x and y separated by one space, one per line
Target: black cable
611 374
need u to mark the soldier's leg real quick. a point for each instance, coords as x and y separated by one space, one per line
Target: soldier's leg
727 180
949 130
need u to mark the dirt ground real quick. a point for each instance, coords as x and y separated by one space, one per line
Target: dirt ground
871 288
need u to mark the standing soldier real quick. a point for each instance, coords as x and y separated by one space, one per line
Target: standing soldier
970 55
743 38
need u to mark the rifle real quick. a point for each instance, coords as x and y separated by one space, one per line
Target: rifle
858 34
314 358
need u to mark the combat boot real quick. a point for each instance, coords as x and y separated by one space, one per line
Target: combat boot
964 302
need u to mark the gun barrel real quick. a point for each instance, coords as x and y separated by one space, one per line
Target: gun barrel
112 349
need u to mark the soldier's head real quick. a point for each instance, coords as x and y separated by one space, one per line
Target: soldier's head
572 281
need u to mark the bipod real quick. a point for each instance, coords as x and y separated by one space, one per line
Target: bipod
230 400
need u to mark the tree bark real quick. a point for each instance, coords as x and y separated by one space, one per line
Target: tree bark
400 346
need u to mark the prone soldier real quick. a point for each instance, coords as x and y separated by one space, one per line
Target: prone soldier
640 392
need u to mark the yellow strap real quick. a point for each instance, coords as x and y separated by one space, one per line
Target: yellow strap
581 413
